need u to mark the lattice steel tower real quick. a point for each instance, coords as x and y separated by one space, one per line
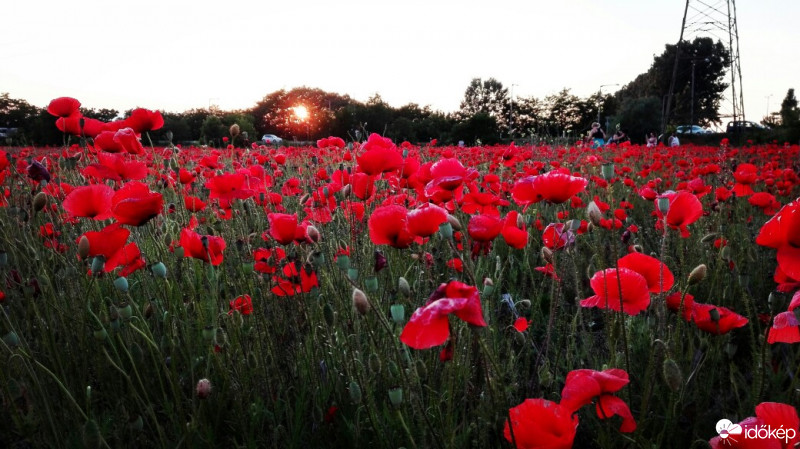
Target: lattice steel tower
715 19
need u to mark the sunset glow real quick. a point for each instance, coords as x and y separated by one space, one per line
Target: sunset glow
301 112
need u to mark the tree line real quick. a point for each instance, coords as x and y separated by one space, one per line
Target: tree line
487 114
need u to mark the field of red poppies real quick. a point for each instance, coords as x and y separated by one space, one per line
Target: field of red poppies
384 294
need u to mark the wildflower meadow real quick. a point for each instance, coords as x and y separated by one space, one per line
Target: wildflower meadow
387 294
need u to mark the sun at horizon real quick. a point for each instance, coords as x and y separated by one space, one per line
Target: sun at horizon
301 112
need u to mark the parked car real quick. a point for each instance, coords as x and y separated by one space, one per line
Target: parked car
270 139
743 125
693 129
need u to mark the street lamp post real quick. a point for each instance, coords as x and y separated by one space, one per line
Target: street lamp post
511 115
768 97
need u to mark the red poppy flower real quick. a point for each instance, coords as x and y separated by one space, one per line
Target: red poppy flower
446 174
785 329
92 201
128 257
207 248
380 155
105 142
243 304
429 326
107 241
674 303
72 125
541 424
127 140
745 175
134 204
484 228
282 227
424 221
521 324
720 322
514 237
63 106
227 187
782 232
684 209
363 185
193 204
609 405
659 277
606 286
555 236
142 120
388 225
549 271
766 201
298 280
582 385
553 186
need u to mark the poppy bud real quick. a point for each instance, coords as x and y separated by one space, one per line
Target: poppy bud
83 247
725 253
125 310
3 259
343 262
39 201
313 233
352 274
360 301
403 287
698 274
521 221
709 237
148 309
714 315
398 312
672 374
136 424
396 396
594 214
11 339
347 190
547 254
234 130
374 363
371 284
203 388
100 335
626 237
454 222
380 261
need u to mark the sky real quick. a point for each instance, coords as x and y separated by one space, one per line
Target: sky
174 55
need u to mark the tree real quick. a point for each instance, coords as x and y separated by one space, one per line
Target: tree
487 97
639 116
481 127
104 114
275 113
790 114
710 60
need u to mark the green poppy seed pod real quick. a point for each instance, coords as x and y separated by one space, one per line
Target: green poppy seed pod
360 301
405 153
446 230
125 310
672 374
398 312
663 205
39 201
121 283
234 130
330 316
203 388
374 363
352 274
607 171
396 396
98 263
159 270
574 224
403 287
355 392
11 339
179 252
454 222
371 284
83 247
714 315
394 370
247 268
100 335
545 377
594 214
3 259
698 274
326 192
343 262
